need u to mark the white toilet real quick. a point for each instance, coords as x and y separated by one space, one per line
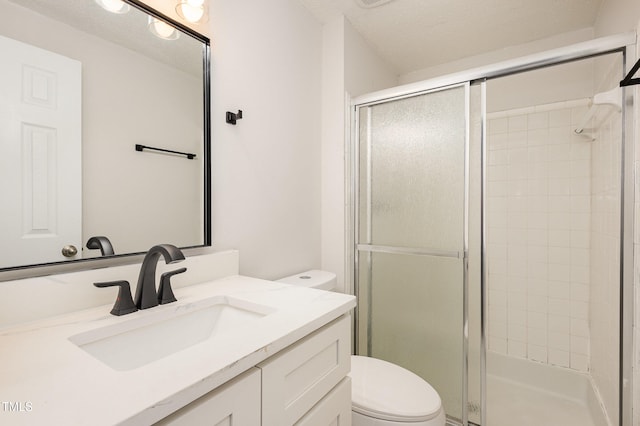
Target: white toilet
383 394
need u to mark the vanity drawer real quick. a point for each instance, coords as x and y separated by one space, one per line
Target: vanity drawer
333 409
236 402
296 379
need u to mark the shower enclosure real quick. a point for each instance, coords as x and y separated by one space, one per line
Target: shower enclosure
489 246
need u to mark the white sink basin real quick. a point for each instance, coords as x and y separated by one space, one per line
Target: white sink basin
168 329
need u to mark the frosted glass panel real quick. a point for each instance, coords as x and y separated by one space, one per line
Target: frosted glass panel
412 171
416 318
411 215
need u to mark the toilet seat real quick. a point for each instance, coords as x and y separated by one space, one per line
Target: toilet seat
386 391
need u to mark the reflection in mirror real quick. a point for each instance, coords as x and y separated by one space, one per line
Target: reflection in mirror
80 87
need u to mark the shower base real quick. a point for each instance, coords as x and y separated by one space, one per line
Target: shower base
525 393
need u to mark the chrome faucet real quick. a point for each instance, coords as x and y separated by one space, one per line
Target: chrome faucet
146 294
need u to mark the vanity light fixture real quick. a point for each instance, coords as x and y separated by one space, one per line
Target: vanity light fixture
194 11
161 29
114 6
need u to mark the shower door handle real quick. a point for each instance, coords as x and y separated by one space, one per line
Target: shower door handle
411 250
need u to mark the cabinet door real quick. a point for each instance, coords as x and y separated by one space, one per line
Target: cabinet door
236 403
333 410
296 379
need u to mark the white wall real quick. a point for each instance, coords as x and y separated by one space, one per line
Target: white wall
617 16
499 55
364 70
266 61
333 148
544 86
350 68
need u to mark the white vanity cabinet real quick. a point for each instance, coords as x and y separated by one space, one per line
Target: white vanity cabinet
236 403
304 384
299 378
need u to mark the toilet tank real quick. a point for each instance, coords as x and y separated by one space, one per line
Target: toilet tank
314 278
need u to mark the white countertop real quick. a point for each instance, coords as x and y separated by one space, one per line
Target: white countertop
57 383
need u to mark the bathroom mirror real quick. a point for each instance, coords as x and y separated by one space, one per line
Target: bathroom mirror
83 83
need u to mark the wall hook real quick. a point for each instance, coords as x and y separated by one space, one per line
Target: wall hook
233 117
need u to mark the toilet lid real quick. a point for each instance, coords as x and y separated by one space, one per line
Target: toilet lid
389 392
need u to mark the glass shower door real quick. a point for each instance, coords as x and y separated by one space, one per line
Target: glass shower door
411 236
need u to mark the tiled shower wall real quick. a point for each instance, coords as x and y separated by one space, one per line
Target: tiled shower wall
539 206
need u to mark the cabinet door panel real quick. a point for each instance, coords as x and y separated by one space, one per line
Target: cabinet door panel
333 410
236 403
295 379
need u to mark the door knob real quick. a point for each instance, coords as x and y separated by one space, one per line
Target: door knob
69 251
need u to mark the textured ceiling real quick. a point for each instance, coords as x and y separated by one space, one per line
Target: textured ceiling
416 34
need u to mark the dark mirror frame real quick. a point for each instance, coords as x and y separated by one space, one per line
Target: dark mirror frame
39 269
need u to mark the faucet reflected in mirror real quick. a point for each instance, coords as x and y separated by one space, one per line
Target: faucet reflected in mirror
102 243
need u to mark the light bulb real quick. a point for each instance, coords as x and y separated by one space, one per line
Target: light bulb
191 10
162 29
115 6
191 13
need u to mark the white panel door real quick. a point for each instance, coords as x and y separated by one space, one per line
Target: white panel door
40 155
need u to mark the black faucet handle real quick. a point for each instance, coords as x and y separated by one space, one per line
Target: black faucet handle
165 293
124 303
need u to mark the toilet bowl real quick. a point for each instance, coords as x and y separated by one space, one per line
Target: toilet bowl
382 393
385 394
